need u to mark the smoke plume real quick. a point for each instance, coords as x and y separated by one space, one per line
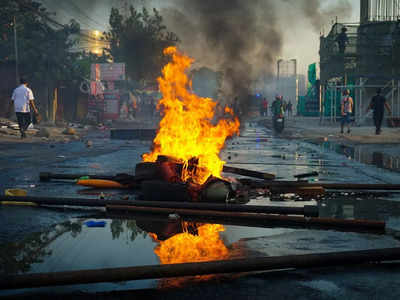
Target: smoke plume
244 39
239 38
319 14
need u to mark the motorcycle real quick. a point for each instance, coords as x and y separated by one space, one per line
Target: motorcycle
279 123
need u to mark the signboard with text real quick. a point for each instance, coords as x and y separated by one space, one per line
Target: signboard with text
108 72
111 105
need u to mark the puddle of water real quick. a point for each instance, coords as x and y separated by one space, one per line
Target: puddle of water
371 154
122 243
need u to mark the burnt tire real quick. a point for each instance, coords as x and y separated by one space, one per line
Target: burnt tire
157 190
147 171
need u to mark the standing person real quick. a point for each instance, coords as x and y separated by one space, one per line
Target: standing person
342 40
278 114
347 105
22 99
290 109
237 107
378 104
277 107
265 107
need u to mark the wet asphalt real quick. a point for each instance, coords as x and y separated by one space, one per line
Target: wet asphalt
44 239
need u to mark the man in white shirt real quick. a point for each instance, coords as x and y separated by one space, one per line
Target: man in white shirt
23 100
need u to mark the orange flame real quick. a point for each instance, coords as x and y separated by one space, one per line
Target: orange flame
186 130
185 247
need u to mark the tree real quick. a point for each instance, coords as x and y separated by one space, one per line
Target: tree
44 45
139 40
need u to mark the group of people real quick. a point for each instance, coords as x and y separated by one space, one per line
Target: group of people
377 104
24 105
278 106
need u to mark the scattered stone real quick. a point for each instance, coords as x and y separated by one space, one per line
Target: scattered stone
13 126
43 132
69 131
173 217
89 144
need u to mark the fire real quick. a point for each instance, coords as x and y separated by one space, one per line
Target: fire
186 130
186 247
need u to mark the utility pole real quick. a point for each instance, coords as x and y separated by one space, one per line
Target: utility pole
16 50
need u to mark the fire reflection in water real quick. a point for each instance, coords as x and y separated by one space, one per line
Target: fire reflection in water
198 243
185 247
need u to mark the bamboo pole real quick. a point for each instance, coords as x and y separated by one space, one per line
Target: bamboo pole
47 176
202 268
362 225
306 175
264 184
307 210
287 164
332 186
249 173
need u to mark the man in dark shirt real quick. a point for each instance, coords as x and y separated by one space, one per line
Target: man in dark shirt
290 109
378 104
342 40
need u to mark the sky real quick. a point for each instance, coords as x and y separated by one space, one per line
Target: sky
302 43
300 38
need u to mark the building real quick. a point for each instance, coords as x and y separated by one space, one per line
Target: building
302 84
362 57
287 80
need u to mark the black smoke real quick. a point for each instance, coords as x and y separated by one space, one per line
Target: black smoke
239 38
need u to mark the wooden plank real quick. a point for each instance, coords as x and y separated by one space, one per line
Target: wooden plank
8 282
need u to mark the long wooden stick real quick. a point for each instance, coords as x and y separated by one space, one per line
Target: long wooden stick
202 268
249 173
307 210
258 184
356 225
332 186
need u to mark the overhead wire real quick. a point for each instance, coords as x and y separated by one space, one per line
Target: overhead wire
46 17
54 22
82 13
67 14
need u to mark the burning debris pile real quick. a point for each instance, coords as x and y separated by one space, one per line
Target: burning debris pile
173 180
189 140
187 131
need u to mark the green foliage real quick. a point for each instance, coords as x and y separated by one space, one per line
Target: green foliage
128 226
44 46
138 41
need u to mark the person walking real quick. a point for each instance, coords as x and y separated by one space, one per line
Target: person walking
277 107
23 101
347 105
265 107
378 104
290 109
